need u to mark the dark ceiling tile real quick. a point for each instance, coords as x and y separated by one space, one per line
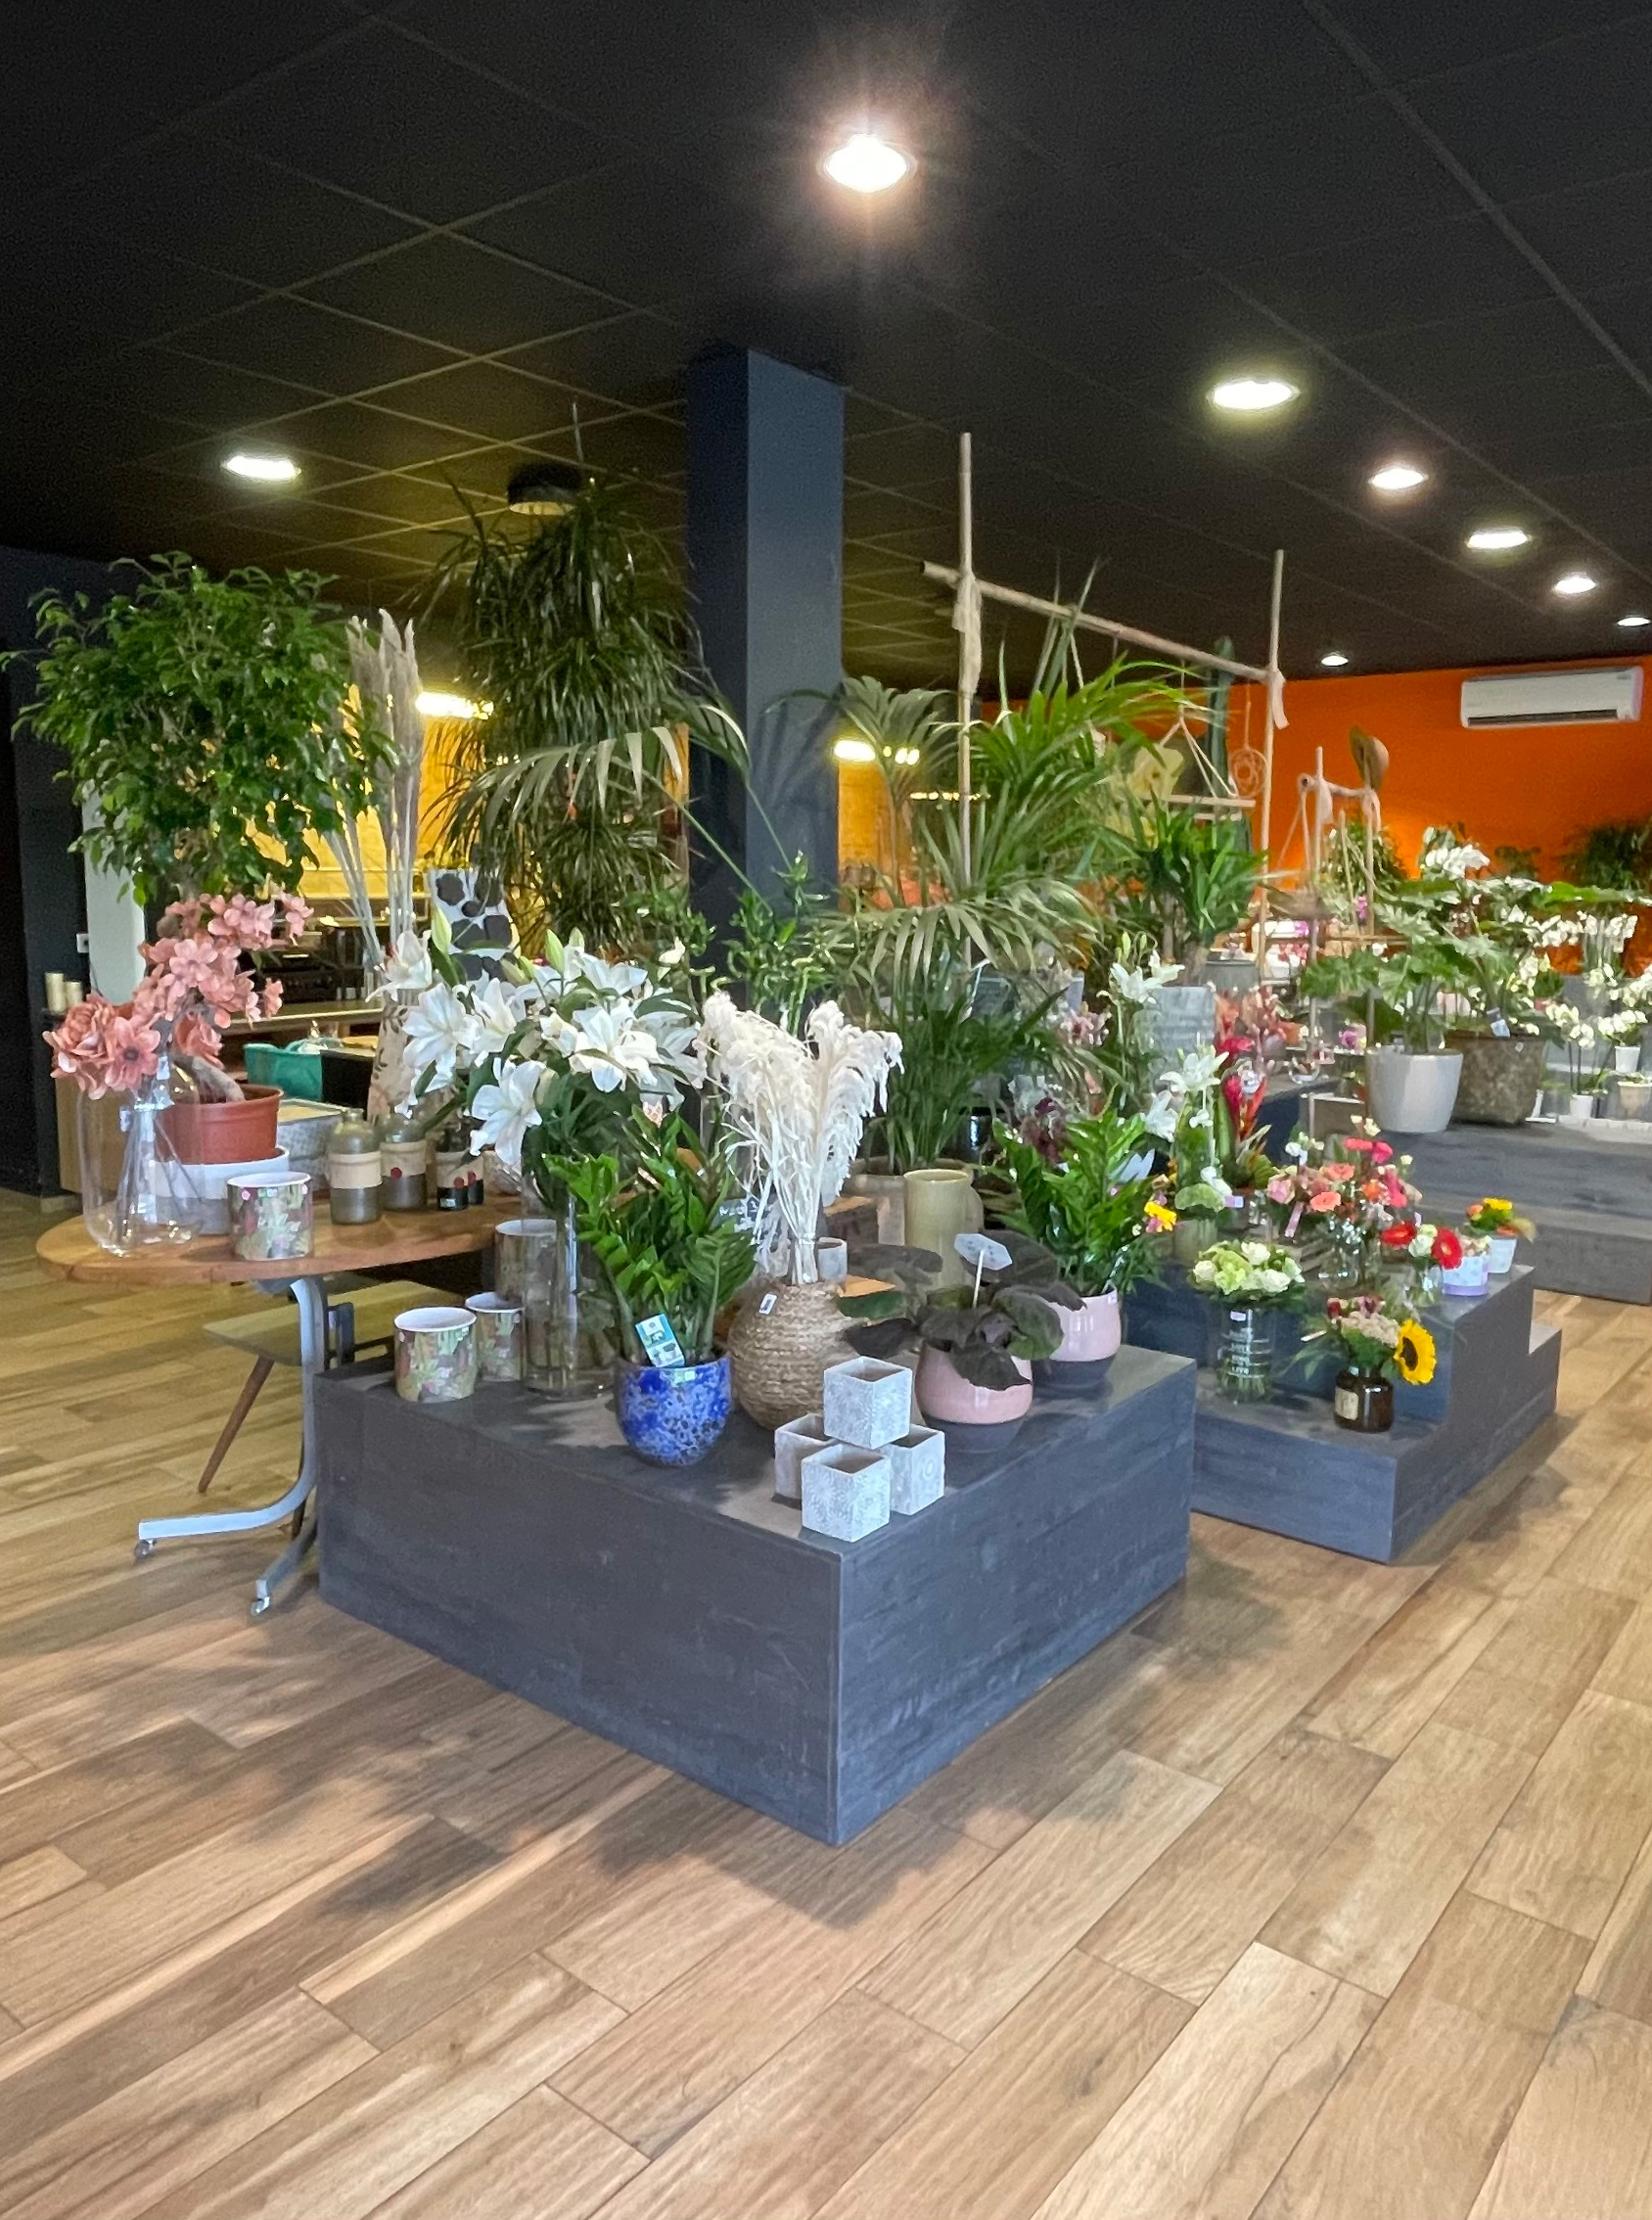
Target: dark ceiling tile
209 395
1594 236
74 292
1415 277
280 336
630 228
1415 38
411 130
484 400
1568 110
355 432
634 360
443 289
398 497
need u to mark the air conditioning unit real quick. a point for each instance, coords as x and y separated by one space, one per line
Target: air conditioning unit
1606 695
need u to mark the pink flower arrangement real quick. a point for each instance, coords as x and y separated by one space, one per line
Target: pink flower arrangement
195 983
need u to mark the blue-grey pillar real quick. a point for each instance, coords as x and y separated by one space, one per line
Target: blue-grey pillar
766 536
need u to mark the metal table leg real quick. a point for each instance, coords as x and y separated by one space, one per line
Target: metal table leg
311 1298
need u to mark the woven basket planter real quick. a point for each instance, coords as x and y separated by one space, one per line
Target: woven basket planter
780 1355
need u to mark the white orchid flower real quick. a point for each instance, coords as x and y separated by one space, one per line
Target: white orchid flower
497 1012
1160 1116
612 1049
409 970
504 1112
441 1034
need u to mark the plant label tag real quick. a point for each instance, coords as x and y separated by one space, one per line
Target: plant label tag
981 1249
664 1351
768 1304
1238 1316
1500 1027
1346 1404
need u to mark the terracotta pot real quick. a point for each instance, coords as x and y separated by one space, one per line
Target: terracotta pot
1089 1336
225 1132
947 1398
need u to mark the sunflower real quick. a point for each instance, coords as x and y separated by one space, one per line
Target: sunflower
1414 1353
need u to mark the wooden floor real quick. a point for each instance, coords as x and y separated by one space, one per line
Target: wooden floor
1322 1893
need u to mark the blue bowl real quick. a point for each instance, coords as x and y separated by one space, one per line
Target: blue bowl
673 1414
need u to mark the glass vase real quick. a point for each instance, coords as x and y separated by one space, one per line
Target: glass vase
1243 1363
539 1265
134 1193
1342 1263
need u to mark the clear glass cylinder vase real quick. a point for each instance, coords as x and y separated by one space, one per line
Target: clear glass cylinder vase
134 1193
1244 1355
1342 1262
568 1340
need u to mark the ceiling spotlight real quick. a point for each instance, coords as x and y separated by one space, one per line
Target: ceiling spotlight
1492 539
544 489
866 163
850 750
1248 395
1397 478
272 470
458 707
1632 624
1574 581
1333 659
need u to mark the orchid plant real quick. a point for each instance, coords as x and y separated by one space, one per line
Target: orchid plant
548 1061
198 979
798 1103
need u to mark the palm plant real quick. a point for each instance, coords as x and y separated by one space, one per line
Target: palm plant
574 634
951 1048
1182 878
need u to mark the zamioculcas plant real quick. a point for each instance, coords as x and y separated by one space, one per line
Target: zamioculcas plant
1087 1212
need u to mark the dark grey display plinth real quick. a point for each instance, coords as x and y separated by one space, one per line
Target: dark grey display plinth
1590 1200
686 1615
1287 1466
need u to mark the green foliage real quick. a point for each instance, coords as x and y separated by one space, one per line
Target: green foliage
774 948
1084 1212
666 1242
198 716
1616 855
575 632
953 1051
1017 1316
1181 878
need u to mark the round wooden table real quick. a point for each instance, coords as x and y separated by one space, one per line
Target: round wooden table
396 1239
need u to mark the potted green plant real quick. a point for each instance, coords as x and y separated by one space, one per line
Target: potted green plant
1410 1077
1182 879
1092 1218
976 1343
672 1256
1247 1283
200 718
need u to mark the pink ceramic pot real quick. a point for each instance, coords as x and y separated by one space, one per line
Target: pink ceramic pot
1091 1335
946 1397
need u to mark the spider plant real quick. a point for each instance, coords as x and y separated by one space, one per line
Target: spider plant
573 633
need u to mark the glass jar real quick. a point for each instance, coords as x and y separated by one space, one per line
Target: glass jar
1362 1401
1428 1288
403 1161
1342 1262
353 1171
538 1264
1244 1360
134 1193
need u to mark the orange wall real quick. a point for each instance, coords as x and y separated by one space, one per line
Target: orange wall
1522 789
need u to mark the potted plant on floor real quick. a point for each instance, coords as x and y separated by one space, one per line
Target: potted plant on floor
1091 1218
674 1256
1247 1282
1379 1344
1501 1226
1586 1051
977 1343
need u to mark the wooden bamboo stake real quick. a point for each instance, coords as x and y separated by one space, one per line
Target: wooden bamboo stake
1264 830
942 574
967 677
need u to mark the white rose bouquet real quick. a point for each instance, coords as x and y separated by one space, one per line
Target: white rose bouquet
1250 1274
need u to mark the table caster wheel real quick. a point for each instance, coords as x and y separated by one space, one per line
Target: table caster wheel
142 1550
260 1605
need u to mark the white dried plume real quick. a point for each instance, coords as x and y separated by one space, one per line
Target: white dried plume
799 1104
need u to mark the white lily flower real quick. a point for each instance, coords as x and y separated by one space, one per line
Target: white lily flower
440 1032
409 970
1160 1116
504 1112
498 1011
610 1048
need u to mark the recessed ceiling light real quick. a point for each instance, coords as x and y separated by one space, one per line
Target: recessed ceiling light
1632 624
459 707
1574 581
1248 394
850 750
1397 478
544 489
1333 659
273 469
1491 539
866 163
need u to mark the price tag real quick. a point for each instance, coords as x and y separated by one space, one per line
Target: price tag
664 1351
981 1249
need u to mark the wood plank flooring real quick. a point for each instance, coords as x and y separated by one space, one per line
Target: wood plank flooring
1323 1892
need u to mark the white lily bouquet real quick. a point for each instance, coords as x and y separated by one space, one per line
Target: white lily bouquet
549 1060
799 1106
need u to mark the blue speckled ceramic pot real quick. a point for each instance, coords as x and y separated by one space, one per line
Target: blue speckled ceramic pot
673 1414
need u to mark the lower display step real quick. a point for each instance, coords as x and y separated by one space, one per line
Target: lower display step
689 1616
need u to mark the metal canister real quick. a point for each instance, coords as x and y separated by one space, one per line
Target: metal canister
353 1171
403 1159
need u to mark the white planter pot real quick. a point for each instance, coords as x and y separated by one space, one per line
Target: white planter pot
1627 1059
1472 1277
1581 1105
1410 1094
1503 1246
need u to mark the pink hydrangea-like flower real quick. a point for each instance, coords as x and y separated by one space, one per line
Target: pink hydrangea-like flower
193 1035
132 1051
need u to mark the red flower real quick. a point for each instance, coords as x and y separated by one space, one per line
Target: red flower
1447 1250
1381 1153
1396 1236
1359 1143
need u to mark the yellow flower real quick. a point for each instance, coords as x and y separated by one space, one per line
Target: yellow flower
1414 1354
1160 1215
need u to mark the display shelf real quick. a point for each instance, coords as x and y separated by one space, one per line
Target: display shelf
1287 1466
689 1615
